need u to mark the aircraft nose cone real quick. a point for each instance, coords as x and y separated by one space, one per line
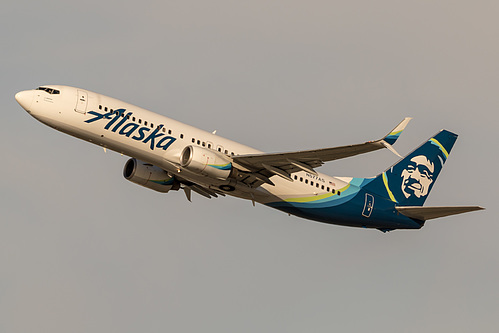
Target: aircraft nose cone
25 98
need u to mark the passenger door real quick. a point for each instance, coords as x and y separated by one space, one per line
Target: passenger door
81 102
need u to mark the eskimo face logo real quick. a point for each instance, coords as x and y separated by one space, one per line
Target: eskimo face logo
417 177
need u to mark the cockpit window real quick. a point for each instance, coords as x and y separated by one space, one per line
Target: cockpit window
49 90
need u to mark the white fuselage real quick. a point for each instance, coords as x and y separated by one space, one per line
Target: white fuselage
75 111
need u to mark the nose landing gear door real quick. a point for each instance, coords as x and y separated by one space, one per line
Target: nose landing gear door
81 102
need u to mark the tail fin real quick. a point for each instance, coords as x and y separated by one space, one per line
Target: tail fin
410 180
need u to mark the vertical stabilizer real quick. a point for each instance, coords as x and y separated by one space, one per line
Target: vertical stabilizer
409 181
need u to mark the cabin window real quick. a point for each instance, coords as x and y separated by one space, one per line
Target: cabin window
198 142
312 183
164 130
169 131
306 181
301 179
133 118
140 121
339 192
209 145
203 144
105 109
317 185
226 152
181 136
145 122
193 140
219 149
100 107
327 189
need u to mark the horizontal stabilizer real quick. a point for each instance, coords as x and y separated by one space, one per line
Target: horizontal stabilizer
428 213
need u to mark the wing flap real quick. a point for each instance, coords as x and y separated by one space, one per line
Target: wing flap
428 213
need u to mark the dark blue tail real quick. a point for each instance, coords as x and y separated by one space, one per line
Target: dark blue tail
410 180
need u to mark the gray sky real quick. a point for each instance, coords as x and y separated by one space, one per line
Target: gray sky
83 250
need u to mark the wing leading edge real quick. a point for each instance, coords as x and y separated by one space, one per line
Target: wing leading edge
282 164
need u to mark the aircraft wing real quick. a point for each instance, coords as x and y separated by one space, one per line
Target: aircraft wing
282 164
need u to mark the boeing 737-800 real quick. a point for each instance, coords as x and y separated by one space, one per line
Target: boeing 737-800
169 155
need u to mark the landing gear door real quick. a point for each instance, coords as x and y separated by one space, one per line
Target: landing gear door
368 206
81 102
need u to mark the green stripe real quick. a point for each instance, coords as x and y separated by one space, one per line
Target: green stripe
221 166
316 197
308 199
385 181
441 147
395 133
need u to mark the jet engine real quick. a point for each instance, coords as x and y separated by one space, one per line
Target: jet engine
206 162
149 176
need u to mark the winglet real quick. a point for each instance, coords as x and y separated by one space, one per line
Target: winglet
392 137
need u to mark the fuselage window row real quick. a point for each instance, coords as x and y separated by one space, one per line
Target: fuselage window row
138 120
322 187
209 146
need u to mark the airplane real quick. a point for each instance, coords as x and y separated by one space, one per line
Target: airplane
167 155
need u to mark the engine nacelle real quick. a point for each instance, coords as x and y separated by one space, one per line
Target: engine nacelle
149 176
206 162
